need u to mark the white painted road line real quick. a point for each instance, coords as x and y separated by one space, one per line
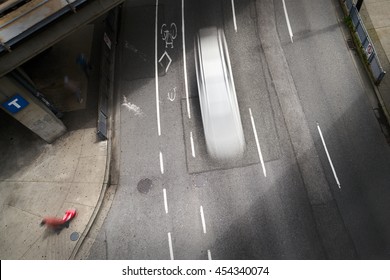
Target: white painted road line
192 145
234 16
209 255
165 200
257 143
161 163
288 22
184 58
327 154
203 221
170 246
156 72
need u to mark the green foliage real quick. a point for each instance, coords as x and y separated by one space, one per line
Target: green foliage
356 40
348 22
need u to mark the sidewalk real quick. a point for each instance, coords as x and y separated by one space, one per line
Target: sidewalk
39 179
376 17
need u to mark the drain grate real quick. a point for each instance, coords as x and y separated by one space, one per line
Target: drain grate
144 185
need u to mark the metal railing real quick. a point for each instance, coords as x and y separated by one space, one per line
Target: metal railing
366 43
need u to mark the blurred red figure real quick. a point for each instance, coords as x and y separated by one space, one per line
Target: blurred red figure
58 224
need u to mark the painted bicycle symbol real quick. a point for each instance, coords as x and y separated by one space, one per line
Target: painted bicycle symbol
168 34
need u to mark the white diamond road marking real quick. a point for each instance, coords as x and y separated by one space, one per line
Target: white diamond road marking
165 54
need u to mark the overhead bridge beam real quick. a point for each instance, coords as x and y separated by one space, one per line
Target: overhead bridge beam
54 33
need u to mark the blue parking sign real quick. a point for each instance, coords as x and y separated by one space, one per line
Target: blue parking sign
15 104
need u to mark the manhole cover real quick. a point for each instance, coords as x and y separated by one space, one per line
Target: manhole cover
144 185
74 236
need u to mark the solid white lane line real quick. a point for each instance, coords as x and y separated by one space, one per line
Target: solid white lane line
234 16
192 145
209 255
203 221
288 22
165 200
161 163
156 72
170 246
184 58
327 154
257 143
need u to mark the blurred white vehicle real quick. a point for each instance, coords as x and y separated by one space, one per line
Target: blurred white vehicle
217 95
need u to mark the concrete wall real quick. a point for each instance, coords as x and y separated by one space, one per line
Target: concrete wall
35 116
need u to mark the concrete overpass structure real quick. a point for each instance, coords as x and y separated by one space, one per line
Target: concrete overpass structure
27 28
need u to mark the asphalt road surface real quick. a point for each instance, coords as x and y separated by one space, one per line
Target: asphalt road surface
286 199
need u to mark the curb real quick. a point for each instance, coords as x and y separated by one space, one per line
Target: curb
374 86
107 174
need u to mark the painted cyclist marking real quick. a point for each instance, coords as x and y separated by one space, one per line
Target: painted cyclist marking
168 34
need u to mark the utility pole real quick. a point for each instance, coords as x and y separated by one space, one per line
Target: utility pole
359 5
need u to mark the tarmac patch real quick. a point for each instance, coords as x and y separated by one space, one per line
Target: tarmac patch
199 181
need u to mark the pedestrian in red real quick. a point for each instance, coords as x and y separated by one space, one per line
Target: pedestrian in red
57 224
